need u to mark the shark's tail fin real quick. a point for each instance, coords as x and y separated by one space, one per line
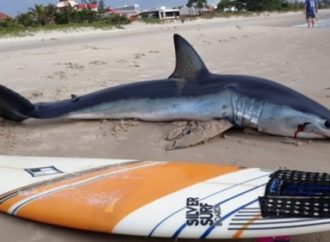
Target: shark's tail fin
13 106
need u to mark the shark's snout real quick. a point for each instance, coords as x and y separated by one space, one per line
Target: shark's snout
314 128
285 121
323 128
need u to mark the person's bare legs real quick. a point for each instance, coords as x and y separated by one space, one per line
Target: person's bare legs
309 22
313 22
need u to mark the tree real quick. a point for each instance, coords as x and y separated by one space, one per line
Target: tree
199 4
223 5
257 5
229 5
61 17
39 14
101 6
324 4
25 19
50 11
254 5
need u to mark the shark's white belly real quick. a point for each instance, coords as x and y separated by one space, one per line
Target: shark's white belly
164 109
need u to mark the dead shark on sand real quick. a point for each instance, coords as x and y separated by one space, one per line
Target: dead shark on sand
192 93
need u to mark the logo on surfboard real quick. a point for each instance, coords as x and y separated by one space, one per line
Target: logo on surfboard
200 213
43 171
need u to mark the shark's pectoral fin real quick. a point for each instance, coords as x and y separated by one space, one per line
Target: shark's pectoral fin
183 134
189 65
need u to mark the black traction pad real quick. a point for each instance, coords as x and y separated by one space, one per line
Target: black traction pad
302 176
288 207
291 193
298 183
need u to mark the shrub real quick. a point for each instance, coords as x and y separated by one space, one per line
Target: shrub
61 18
115 20
25 19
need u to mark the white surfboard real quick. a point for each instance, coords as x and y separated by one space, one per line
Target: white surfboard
146 198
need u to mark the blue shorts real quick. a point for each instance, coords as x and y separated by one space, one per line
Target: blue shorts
310 15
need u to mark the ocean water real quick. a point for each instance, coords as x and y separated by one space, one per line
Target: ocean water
323 23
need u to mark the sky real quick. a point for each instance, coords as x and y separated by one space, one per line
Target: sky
13 7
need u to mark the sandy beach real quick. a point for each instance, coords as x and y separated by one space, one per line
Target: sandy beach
52 66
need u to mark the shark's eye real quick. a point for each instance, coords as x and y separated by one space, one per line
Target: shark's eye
327 124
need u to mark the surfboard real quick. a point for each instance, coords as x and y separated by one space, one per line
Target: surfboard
173 199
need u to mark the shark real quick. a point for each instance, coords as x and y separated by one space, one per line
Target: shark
192 93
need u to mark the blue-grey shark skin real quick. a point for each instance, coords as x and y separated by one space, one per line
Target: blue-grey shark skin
193 93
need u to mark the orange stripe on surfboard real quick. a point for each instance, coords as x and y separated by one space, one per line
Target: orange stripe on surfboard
239 232
47 185
101 204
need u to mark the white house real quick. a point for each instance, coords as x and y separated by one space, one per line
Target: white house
128 11
162 13
66 4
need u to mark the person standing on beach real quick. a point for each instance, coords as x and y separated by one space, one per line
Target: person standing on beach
310 10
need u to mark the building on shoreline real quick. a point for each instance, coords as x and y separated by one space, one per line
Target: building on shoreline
161 13
89 6
176 12
64 5
3 17
131 11
191 12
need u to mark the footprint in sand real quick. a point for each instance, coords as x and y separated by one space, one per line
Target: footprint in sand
207 42
90 47
154 51
122 61
35 94
97 62
139 55
135 65
58 75
74 66
121 127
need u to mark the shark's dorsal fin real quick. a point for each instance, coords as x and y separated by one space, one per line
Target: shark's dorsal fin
189 65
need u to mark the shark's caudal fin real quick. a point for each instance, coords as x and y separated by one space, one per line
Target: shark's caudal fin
13 106
189 64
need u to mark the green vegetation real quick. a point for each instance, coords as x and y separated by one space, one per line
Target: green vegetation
197 3
258 5
50 18
324 4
